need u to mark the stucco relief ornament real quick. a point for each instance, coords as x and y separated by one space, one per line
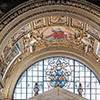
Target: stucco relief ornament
58 73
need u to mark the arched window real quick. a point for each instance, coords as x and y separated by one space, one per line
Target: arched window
80 73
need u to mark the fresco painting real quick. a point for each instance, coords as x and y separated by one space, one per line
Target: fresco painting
23 31
59 33
57 19
94 31
98 50
39 23
6 50
77 23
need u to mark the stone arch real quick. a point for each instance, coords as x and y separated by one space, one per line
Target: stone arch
31 10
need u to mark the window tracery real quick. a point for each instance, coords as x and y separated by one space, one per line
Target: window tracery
37 73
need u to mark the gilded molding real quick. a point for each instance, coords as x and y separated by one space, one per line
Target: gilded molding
52 46
25 7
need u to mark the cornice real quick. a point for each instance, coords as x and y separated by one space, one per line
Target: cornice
10 81
75 51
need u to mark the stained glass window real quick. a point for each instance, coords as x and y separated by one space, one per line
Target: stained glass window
78 73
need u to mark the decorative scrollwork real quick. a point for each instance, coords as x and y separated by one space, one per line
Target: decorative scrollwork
35 4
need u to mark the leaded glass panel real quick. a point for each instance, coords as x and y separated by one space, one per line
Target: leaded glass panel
80 73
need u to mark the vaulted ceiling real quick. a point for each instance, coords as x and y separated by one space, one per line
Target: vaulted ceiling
6 5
